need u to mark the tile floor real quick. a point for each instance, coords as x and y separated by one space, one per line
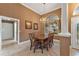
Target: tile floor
23 50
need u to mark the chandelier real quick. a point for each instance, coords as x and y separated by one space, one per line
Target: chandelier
43 19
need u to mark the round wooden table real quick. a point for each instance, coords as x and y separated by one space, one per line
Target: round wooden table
41 38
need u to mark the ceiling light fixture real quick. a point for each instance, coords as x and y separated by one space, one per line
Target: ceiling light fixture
43 9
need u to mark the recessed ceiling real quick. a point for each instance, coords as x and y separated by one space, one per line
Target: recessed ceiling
42 8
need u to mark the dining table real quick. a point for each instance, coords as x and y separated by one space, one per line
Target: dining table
41 37
64 42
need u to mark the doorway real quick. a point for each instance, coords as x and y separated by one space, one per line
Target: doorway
52 24
9 32
75 32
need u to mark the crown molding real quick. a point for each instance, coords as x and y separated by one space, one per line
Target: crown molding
37 11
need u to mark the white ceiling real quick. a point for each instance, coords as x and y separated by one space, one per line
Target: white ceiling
41 8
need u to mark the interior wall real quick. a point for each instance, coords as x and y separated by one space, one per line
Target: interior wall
71 7
55 12
18 11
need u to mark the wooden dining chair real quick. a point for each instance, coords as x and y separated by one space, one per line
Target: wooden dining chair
34 42
37 44
48 42
31 37
50 38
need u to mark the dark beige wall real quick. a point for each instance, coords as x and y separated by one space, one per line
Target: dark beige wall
18 11
22 13
71 7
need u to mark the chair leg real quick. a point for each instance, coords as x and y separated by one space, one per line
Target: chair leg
52 42
42 48
47 48
50 45
34 49
30 47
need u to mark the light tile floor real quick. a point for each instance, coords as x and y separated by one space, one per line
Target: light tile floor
23 50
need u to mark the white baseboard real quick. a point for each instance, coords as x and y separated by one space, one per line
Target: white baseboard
24 42
0 46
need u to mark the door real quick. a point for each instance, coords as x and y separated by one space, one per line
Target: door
7 30
16 31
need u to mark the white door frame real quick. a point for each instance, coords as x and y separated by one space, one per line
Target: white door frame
74 40
15 28
0 34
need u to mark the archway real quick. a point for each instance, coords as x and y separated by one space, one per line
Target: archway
75 28
52 24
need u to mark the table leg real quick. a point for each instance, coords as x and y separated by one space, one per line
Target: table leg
42 46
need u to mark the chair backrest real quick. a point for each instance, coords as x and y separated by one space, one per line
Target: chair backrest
50 36
31 37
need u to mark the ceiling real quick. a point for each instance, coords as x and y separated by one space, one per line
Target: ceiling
42 8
